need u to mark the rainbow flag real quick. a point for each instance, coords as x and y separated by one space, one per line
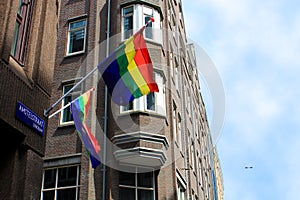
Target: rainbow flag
80 109
128 71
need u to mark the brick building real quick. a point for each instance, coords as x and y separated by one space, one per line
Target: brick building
27 52
159 146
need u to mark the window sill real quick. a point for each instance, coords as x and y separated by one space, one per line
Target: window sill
75 54
66 124
18 69
147 112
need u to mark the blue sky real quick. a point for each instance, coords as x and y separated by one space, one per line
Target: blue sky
255 46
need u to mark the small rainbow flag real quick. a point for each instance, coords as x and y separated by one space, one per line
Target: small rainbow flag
128 71
80 109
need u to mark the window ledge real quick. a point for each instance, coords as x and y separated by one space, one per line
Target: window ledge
149 113
66 124
74 54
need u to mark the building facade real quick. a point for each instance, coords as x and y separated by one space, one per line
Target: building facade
27 52
158 146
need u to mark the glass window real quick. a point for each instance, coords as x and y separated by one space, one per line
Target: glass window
179 131
66 115
148 13
151 101
174 122
136 186
180 191
76 37
136 16
61 183
127 179
127 22
126 193
22 30
127 107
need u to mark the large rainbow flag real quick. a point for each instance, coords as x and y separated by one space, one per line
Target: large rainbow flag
128 71
80 108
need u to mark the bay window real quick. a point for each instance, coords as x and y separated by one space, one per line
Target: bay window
137 15
153 102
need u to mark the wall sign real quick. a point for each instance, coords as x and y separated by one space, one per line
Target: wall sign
29 118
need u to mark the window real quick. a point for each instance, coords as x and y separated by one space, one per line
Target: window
128 107
151 105
192 153
127 22
180 191
179 132
176 73
153 102
136 16
76 37
200 172
22 30
148 13
174 122
66 115
61 183
136 186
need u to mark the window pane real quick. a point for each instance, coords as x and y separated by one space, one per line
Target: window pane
127 179
16 38
128 11
48 195
66 194
79 24
148 31
145 179
76 41
67 115
49 178
145 195
126 194
67 176
151 101
128 22
128 107
20 7
76 36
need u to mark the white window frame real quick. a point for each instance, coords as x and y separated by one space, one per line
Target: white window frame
139 13
123 21
136 187
73 30
148 12
140 104
56 188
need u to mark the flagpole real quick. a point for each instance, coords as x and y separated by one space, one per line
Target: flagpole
46 112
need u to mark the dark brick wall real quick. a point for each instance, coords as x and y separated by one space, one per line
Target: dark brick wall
21 147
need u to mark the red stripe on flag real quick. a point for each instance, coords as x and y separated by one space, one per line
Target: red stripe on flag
143 61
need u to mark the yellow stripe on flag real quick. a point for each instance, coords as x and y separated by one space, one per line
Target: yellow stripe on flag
129 50
138 78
